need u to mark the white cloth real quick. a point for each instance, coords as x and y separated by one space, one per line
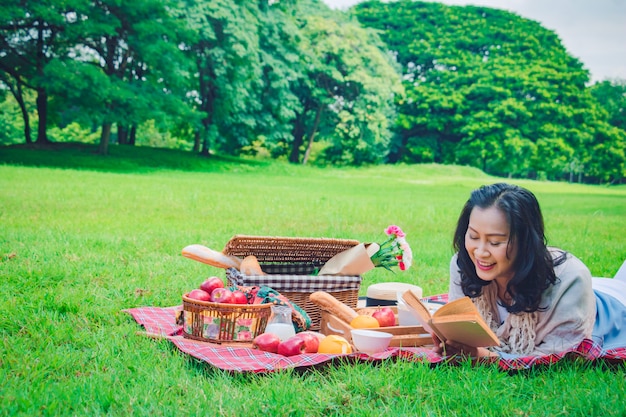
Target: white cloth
611 286
621 273
615 287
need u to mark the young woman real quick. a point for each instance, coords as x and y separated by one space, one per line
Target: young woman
539 300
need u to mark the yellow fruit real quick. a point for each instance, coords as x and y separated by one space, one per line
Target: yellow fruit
364 322
334 344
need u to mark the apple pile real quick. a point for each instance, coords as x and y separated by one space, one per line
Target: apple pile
214 291
373 317
303 342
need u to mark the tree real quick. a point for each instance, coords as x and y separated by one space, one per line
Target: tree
225 52
272 72
31 38
346 90
130 52
611 95
609 145
488 88
280 55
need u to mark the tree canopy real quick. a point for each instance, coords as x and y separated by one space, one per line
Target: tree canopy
491 89
385 82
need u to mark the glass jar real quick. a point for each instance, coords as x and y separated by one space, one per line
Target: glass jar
280 322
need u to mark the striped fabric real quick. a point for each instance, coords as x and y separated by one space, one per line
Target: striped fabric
161 323
290 278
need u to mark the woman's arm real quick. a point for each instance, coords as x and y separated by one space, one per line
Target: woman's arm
454 287
570 311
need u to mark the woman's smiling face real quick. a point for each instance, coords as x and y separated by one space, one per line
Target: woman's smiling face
487 243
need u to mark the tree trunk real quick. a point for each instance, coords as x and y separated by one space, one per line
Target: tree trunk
132 139
205 147
399 152
122 134
316 123
42 110
208 134
19 97
205 138
196 141
27 134
298 138
105 136
42 96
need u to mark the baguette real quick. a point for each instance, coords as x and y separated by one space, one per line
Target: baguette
250 266
209 256
329 303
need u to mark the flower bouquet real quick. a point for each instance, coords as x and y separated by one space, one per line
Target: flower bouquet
394 251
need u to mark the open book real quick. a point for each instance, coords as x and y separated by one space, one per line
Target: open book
458 321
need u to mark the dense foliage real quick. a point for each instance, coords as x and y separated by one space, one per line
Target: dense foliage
402 81
488 88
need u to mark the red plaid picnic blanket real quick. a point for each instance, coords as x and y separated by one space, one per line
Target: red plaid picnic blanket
161 322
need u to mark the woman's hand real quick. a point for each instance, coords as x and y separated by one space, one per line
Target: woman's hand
450 348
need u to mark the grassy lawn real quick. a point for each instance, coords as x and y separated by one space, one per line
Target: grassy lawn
84 237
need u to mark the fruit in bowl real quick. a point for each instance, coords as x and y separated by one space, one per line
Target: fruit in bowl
370 341
385 316
222 295
363 321
239 297
199 295
211 283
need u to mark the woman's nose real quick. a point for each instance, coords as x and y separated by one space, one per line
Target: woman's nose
481 250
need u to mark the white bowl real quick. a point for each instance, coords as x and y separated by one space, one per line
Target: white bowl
370 341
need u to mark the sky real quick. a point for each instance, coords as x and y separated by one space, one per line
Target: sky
594 31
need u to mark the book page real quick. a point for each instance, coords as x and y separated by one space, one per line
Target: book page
418 309
459 320
459 306
459 317
469 332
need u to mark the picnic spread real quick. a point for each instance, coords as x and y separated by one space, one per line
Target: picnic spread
293 303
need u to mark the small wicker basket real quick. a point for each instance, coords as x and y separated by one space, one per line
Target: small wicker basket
224 323
289 263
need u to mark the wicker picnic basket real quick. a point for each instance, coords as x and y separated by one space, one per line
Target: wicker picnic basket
289 264
224 323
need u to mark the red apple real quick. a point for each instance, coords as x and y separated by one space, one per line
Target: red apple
311 341
385 316
211 283
239 297
295 345
267 342
305 342
200 295
222 295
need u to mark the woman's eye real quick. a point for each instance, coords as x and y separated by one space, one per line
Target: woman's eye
496 243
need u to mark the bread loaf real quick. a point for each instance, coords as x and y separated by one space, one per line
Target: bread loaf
211 257
250 266
329 303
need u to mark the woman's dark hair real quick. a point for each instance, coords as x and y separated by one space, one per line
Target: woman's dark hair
533 266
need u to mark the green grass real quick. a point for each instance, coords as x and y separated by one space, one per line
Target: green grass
83 237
